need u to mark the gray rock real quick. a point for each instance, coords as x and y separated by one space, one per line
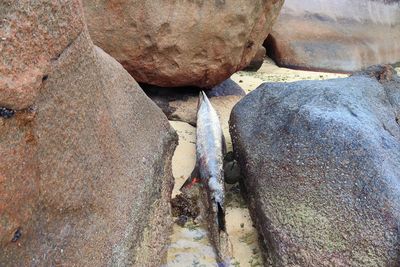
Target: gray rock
321 161
180 103
226 88
232 173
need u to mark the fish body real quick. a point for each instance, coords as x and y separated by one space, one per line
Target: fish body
209 173
210 146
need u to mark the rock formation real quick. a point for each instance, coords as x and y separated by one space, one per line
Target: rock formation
181 43
341 35
321 164
180 104
85 175
257 61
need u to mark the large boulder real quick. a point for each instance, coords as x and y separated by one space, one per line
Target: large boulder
321 164
85 170
341 35
24 59
181 43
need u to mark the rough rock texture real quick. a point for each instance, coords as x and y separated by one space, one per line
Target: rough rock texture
85 173
341 35
181 43
24 59
321 164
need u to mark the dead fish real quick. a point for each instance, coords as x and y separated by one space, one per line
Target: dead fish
210 150
209 173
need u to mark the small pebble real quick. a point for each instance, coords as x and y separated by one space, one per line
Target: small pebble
6 112
17 235
182 220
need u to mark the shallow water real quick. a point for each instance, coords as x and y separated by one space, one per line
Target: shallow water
190 246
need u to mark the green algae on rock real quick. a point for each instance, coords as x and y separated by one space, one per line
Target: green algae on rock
321 161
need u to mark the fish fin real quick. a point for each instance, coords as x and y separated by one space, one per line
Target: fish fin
193 178
221 217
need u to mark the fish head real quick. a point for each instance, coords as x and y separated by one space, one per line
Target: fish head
203 100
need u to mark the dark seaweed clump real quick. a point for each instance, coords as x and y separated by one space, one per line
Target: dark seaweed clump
184 205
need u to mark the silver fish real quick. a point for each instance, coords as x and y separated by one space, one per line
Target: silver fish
210 150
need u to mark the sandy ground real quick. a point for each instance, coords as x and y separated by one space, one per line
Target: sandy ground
269 72
190 245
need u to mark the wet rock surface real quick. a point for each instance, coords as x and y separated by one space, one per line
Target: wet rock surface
85 172
338 35
321 168
169 43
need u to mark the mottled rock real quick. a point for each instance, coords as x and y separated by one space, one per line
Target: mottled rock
181 43
24 60
342 35
85 172
321 165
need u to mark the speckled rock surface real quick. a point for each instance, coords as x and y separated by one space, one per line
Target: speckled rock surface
85 172
340 35
181 43
24 27
321 164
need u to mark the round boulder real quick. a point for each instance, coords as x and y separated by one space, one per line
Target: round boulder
320 163
336 36
181 43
